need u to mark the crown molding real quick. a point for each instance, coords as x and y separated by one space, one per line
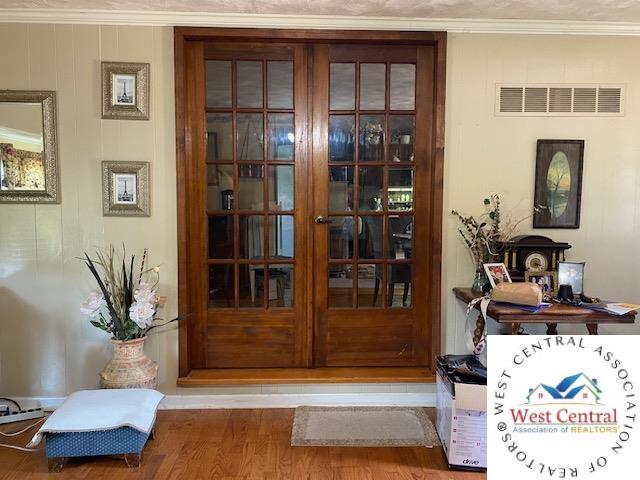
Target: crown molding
248 20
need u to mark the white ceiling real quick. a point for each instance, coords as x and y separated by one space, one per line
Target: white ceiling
565 10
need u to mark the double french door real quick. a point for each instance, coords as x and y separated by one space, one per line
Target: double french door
310 195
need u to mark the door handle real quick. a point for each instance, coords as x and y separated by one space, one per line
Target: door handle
320 219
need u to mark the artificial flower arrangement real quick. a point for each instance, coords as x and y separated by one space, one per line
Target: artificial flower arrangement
125 305
484 236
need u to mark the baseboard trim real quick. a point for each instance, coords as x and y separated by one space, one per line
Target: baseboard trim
279 400
276 400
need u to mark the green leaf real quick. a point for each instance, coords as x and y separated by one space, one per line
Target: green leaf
99 325
105 293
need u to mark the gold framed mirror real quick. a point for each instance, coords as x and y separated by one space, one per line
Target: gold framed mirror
28 147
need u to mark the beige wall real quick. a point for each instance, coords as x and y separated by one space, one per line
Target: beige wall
488 154
48 349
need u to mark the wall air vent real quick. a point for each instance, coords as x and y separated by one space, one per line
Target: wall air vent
559 100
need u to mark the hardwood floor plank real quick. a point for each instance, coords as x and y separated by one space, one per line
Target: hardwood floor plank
235 444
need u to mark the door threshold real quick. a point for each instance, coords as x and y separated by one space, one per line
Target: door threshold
246 376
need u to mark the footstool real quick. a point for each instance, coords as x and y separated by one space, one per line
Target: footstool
100 422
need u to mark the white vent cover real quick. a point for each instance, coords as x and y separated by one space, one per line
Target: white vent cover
559 100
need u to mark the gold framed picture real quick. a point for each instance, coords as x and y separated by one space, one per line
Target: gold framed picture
125 91
126 189
547 280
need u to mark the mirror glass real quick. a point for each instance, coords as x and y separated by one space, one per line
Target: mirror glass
22 166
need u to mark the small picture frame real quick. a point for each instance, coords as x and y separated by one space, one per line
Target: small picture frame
125 91
572 273
547 280
126 189
497 273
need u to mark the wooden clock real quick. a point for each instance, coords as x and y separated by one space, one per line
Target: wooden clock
533 253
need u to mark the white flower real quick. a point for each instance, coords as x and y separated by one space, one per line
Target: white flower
145 294
142 314
156 269
92 305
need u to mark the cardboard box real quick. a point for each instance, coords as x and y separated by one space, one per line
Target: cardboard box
461 419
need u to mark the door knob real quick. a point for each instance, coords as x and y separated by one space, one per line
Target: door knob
321 219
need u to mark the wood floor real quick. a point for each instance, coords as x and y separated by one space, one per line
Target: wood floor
236 444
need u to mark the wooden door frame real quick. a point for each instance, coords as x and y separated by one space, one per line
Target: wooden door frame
182 35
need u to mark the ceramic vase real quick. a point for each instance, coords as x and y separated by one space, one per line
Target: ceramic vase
129 367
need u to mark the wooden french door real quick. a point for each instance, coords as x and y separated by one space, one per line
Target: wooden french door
309 199
373 123
247 223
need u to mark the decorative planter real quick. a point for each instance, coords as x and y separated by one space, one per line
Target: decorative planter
129 367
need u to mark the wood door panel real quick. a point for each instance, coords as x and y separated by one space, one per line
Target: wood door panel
380 343
249 51
375 318
369 54
245 346
351 348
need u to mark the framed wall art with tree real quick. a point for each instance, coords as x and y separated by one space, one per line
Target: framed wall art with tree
558 183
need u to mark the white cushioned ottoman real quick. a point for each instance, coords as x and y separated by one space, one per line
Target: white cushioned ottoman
100 422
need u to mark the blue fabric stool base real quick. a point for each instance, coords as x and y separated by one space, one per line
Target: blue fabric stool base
118 441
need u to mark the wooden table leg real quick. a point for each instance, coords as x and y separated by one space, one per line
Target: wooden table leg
593 328
515 327
552 328
477 333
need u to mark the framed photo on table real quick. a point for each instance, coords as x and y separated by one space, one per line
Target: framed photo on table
572 273
497 273
126 189
125 91
547 280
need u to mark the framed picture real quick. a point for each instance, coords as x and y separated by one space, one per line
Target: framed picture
572 273
497 273
558 185
126 189
548 281
125 91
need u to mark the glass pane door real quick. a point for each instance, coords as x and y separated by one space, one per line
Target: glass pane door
368 312
371 170
252 208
